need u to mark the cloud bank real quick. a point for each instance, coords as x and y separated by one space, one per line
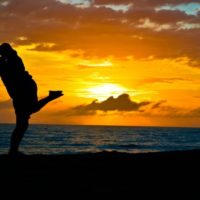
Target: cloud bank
143 30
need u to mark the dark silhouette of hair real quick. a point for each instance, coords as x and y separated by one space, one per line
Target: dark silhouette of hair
6 50
23 91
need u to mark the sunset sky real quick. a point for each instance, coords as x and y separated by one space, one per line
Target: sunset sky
118 62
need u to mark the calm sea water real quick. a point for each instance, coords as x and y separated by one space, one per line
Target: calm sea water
60 139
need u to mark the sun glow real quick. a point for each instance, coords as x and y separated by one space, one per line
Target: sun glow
88 63
103 91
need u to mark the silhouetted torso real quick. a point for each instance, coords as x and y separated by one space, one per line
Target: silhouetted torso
13 75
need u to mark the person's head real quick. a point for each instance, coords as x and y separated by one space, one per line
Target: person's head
6 50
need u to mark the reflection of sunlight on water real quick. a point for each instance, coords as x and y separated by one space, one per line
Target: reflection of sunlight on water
46 139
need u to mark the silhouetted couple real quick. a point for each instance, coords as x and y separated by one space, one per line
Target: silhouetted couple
23 91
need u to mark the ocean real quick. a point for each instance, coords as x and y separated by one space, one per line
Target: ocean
72 139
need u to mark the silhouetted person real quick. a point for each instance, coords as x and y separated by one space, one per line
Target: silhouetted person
23 91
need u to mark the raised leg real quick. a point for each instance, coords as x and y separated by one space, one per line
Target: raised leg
41 103
18 133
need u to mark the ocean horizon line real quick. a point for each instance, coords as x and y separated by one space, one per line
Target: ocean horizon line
105 125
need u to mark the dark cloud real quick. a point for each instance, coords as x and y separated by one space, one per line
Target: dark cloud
194 113
157 105
99 31
161 16
162 109
121 103
124 104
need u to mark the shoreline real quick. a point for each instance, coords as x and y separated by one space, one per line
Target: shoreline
102 172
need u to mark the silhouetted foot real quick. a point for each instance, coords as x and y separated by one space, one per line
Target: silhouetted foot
55 94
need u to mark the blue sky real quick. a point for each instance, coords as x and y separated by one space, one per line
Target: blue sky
191 8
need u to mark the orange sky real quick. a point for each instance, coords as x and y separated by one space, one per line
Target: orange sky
98 51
